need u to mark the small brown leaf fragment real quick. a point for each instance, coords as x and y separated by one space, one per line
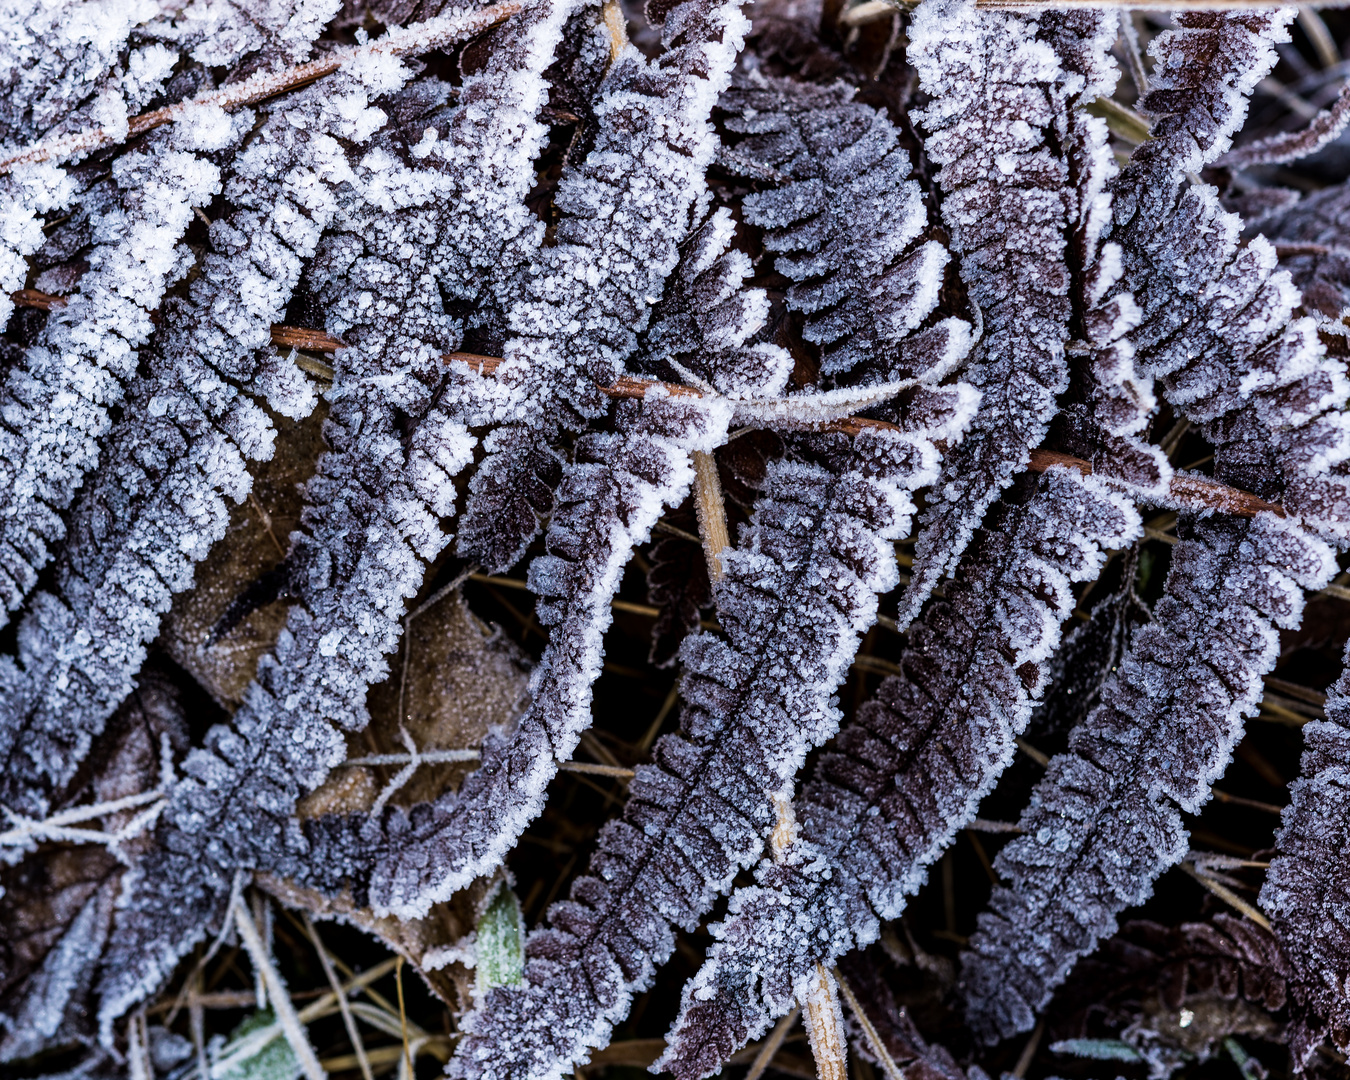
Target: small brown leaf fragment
247 552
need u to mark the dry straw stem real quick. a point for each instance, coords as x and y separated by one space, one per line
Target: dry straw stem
419 38
276 991
348 1020
825 1026
712 513
1227 895
888 1064
772 1044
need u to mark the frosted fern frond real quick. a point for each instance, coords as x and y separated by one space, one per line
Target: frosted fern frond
1000 96
79 369
851 228
910 771
608 500
1306 885
1106 819
703 328
371 524
547 281
55 405
58 904
1217 318
1315 235
157 503
627 206
1235 362
755 704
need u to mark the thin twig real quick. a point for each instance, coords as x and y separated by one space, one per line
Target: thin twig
286 1015
712 512
1040 759
616 771
772 1044
1134 58
1227 895
1186 492
1328 55
348 1020
892 1070
1028 1054
402 1016
419 38
824 1026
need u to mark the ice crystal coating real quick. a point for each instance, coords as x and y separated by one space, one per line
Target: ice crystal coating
755 704
1001 93
1233 360
372 519
608 500
909 772
1314 235
785 278
1306 884
1217 321
157 502
851 228
579 308
1106 819
55 405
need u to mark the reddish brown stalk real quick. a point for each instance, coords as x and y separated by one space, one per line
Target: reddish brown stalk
34 299
1189 492
419 38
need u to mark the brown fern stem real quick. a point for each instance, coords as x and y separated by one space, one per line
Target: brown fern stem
419 38
1190 492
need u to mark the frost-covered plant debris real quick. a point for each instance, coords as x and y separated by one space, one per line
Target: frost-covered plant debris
953 378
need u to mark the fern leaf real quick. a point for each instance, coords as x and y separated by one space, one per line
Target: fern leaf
609 499
626 208
909 772
155 506
55 405
1306 884
1217 319
1106 819
851 229
998 84
370 527
755 704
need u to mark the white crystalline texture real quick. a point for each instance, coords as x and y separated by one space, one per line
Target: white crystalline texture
850 228
798 591
701 329
1306 887
909 771
1216 318
24 194
1321 219
157 503
1105 820
54 404
608 500
371 523
1001 86
581 303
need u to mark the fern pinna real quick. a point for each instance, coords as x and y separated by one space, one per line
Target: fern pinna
879 339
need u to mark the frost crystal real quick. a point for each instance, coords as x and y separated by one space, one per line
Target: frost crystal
909 772
1306 885
797 592
1001 88
1106 819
